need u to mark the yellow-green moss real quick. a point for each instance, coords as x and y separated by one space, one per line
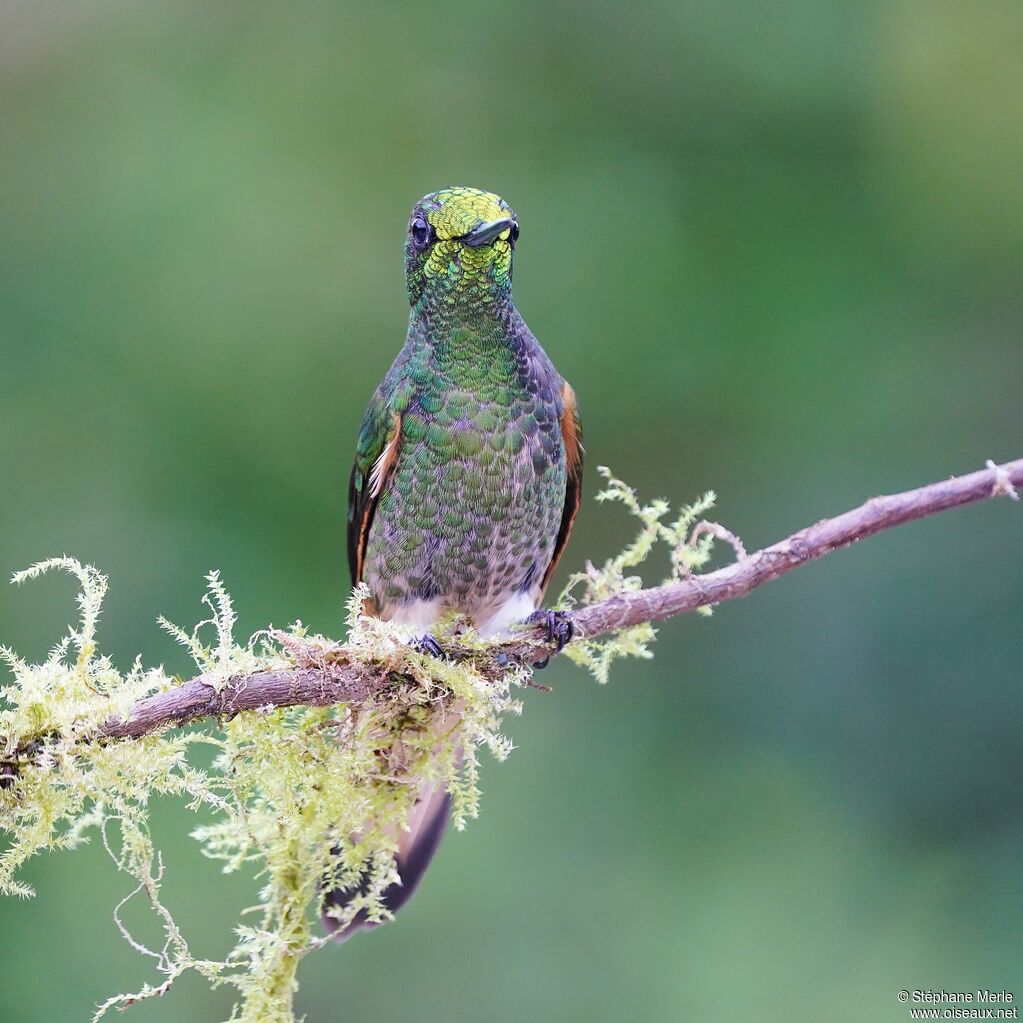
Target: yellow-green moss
289 787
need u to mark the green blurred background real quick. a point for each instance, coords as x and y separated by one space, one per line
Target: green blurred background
776 248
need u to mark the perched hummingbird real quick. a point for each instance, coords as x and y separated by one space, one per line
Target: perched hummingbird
468 468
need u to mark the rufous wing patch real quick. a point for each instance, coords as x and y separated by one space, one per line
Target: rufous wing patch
363 499
572 436
383 465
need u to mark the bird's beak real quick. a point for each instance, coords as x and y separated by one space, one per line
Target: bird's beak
484 234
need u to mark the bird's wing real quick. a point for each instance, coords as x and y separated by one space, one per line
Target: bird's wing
572 436
375 454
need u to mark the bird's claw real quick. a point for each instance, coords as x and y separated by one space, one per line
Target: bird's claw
559 629
427 644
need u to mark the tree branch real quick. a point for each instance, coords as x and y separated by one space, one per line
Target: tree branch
337 677
745 575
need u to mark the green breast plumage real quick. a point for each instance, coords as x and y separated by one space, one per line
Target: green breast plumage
471 509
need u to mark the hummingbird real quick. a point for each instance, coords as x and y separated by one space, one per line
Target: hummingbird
468 467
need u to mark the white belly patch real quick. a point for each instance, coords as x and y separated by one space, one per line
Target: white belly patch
492 622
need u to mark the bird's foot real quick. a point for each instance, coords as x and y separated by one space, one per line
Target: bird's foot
558 626
427 644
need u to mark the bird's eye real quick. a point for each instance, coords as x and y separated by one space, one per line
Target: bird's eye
514 232
421 232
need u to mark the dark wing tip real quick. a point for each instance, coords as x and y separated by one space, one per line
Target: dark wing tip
411 862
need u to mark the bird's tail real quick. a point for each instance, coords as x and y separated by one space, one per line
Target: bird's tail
415 850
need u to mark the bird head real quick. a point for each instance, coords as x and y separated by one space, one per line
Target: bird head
459 248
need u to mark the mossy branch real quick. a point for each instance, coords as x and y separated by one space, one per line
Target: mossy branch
321 746
340 677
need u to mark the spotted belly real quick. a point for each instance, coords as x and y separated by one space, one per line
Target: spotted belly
467 526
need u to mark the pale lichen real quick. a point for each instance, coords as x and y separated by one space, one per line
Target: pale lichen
310 797
618 574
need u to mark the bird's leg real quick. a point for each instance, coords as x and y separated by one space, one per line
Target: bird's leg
558 626
427 644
